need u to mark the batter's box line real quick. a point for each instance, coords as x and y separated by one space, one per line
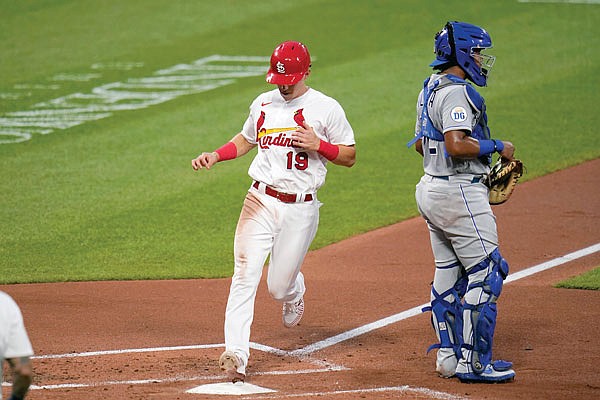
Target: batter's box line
177 379
404 389
256 346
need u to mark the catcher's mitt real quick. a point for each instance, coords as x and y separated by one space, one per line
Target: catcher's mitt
502 179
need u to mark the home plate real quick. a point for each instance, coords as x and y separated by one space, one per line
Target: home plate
228 388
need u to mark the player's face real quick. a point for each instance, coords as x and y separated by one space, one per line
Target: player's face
290 92
483 61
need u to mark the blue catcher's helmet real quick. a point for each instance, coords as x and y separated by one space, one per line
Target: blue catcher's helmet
463 44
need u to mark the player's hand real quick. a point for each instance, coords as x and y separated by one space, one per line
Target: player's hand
508 153
305 138
205 160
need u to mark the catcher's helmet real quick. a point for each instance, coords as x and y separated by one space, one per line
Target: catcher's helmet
290 63
463 44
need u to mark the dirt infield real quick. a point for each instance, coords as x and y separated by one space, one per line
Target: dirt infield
157 339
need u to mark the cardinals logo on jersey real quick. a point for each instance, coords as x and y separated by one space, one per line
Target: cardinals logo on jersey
261 121
298 117
277 136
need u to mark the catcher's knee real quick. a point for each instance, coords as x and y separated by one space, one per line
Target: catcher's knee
491 282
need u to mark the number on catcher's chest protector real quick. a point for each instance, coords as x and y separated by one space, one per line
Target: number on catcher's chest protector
299 161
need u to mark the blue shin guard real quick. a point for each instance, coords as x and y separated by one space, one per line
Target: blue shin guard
446 317
483 315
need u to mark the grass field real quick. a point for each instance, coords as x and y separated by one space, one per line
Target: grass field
98 126
590 281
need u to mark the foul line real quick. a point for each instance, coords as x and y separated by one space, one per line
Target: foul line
418 309
175 379
306 351
553 263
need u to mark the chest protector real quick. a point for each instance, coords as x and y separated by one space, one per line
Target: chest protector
427 129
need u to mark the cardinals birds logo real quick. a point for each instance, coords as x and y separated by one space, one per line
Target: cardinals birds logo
298 117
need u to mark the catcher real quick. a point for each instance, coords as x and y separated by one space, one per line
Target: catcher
454 196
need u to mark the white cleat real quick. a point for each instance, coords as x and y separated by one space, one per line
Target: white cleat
232 364
292 313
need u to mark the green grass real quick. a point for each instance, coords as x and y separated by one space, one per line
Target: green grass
590 281
117 199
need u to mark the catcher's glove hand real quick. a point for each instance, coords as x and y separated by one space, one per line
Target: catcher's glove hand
502 179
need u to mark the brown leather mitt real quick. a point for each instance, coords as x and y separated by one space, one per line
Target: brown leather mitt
502 179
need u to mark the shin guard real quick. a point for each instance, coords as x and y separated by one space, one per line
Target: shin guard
446 317
483 315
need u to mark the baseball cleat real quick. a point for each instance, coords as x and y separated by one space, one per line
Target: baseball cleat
292 313
447 367
231 364
496 372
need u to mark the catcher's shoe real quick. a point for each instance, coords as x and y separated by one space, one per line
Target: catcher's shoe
446 367
292 313
496 372
233 366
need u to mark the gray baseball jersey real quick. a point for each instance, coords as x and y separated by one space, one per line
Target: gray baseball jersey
450 109
451 195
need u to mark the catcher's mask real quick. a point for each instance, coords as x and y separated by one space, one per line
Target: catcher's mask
464 44
290 63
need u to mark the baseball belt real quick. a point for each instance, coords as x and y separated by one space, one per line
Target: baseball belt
283 197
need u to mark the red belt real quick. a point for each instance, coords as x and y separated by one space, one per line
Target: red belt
283 197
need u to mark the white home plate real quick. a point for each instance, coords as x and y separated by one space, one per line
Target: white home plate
228 388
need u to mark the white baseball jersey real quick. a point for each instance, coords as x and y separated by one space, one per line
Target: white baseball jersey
270 125
14 342
268 227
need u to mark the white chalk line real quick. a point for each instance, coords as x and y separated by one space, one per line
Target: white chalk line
304 352
176 379
127 351
256 346
417 310
553 263
431 394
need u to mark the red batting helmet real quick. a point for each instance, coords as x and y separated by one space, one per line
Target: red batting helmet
290 63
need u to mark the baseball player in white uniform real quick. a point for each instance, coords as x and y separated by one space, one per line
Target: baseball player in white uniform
453 137
297 131
15 347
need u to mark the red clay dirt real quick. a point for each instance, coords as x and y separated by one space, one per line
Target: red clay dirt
550 334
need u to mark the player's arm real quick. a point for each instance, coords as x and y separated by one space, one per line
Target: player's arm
346 155
236 147
419 146
460 145
22 376
306 138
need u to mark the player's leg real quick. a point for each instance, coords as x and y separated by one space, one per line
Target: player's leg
434 200
475 240
296 230
485 286
252 243
22 376
449 285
